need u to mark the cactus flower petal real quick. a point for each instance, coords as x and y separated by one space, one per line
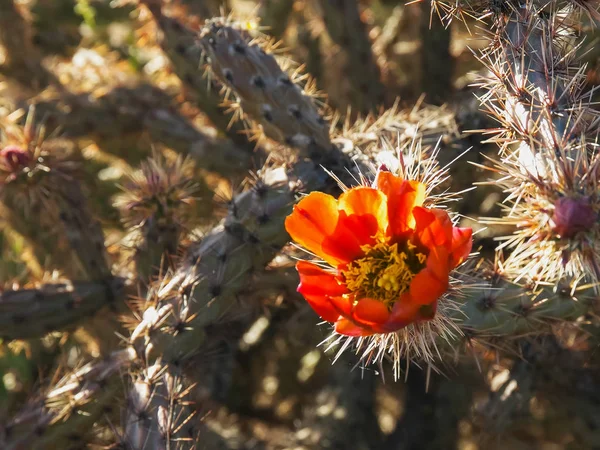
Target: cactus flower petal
368 203
407 311
402 197
369 311
323 307
316 281
431 282
316 226
433 227
390 257
348 328
462 243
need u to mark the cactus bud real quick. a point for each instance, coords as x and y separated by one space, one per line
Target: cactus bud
572 215
13 157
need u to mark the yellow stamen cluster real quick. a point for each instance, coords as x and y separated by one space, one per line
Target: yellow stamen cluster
385 272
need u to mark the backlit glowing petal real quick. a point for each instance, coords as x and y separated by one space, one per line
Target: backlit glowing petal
402 197
346 327
315 225
403 313
431 282
364 228
316 281
370 311
313 219
391 257
344 244
342 304
433 227
363 202
323 307
462 243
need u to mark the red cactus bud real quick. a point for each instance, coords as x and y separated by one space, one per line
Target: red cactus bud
14 157
383 168
572 215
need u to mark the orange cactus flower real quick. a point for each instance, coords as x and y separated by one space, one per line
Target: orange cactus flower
390 256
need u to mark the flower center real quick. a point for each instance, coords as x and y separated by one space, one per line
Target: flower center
384 272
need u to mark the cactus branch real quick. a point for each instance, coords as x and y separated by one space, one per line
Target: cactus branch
63 415
39 189
509 309
346 28
29 313
181 45
157 206
143 108
551 177
265 92
203 291
159 394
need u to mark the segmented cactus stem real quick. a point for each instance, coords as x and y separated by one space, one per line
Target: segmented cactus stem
182 46
507 309
159 415
264 92
142 108
346 28
39 190
63 415
536 93
204 288
30 313
157 206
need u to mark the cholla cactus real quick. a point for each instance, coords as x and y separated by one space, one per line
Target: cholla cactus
131 220
157 207
40 192
551 177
